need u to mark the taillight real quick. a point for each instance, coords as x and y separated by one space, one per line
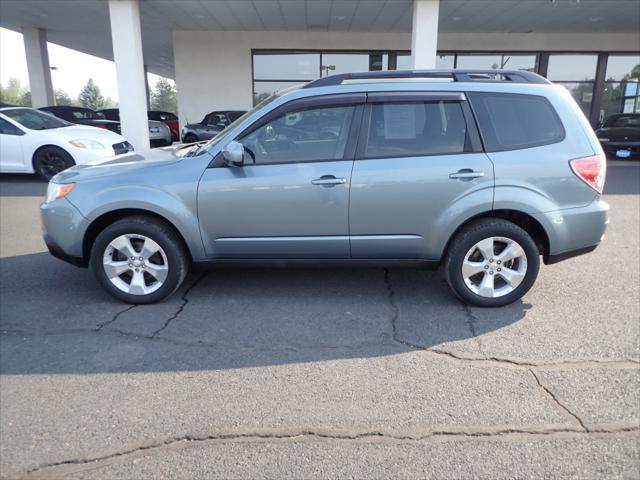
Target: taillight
101 125
591 170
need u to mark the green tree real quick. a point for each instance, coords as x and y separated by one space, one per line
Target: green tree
90 96
14 93
62 97
163 96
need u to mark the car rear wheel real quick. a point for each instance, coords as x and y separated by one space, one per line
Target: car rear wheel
139 260
49 161
492 263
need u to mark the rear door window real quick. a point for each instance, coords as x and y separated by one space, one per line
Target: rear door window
510 121
406 129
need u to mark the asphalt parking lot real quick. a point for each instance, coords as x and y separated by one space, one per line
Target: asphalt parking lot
317 373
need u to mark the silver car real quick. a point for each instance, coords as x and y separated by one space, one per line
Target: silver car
484 173
159 132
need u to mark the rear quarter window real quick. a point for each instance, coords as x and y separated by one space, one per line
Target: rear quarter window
510 121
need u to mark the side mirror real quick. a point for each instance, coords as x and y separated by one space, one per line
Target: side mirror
233 154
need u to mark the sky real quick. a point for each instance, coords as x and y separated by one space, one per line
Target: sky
73 68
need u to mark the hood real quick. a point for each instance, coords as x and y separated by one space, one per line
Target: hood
119 165
77 132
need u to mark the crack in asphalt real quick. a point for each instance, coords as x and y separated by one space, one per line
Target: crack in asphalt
471 319
100 326
396 314
557 401
438 434
185 301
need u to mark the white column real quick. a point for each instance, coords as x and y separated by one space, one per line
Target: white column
127 54
424 36
35 47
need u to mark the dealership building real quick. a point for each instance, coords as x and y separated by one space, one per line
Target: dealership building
230 54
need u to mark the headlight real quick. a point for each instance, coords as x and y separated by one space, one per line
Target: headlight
58 190
87 143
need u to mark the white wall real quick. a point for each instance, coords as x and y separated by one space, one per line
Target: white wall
213 69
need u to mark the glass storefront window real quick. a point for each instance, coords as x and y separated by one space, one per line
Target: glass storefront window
623 67
286 66
334 63
263 90
582 92
498 61
576 68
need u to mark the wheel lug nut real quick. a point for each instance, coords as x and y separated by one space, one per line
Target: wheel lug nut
499 269
491 272
486 267
499 262
131 264
491 261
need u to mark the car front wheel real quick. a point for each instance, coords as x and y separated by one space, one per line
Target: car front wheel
491 263
49 161
139 260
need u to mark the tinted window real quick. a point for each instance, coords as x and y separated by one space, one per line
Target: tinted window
513 121
302 136
7 129
416 128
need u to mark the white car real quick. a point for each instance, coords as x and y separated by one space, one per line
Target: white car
34 141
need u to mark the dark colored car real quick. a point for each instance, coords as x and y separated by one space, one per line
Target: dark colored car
82 116
212 124
619 135
169 119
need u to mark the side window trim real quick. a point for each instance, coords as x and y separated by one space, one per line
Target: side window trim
473 132
306 103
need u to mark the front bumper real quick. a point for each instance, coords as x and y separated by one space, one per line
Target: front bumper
63 228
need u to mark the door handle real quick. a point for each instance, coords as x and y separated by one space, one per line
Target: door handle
328 180
465 174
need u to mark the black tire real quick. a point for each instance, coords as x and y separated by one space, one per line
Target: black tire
189 138
469 236
158 231
49 161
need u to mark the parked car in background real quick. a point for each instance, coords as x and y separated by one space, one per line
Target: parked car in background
82 116
159 133
212 124
619 135
169 119
34 141
483 172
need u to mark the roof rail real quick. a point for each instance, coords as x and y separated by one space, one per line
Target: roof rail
455 75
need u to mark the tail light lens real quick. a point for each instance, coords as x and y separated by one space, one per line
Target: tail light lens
101 125
591 170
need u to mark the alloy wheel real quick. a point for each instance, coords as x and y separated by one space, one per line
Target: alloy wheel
494 267
135 264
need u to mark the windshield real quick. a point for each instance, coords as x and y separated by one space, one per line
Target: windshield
82 114
623 121
34 119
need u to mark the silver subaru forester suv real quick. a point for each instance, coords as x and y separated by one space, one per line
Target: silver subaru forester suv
480 172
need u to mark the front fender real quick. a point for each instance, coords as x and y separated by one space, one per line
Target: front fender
178 208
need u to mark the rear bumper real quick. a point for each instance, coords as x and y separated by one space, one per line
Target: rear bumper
574 231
